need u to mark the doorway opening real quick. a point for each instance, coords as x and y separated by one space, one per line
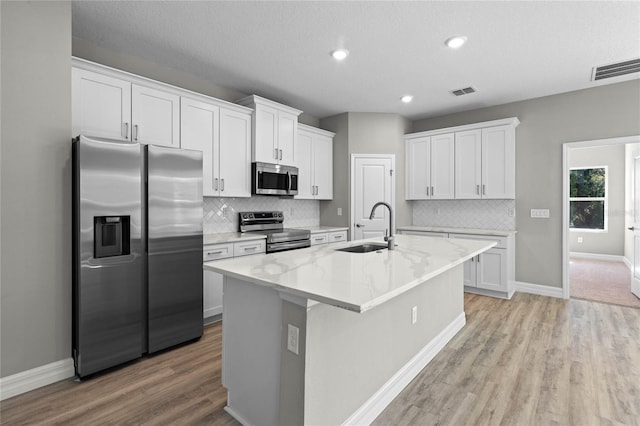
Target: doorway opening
601 253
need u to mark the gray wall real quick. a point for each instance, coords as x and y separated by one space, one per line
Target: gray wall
339 124
545 124
35 246
610 242
364 133
135 65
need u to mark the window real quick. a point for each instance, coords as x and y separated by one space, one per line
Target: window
588 198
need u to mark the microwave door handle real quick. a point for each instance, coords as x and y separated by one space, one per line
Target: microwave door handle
288 182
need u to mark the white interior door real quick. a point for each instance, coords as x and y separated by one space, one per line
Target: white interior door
635 279
372 181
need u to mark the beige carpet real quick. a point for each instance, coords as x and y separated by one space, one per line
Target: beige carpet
601 281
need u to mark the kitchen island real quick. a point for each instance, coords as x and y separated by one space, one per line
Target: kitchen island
322 336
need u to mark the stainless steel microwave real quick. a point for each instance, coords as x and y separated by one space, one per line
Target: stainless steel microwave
273 179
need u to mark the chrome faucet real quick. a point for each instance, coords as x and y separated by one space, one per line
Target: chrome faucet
389 239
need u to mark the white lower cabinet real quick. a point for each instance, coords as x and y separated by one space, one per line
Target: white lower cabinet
212 281
328 237
491 273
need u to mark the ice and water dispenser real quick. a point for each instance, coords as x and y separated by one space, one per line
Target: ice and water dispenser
111 236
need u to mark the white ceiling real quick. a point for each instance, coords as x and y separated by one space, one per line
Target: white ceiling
280 50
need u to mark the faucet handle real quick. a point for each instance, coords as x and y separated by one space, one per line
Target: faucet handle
386 234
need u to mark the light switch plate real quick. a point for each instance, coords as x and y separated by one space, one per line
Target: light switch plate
540 213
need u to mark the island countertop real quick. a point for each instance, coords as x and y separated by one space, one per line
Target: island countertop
353 281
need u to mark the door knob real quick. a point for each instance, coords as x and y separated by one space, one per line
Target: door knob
632 228
359 226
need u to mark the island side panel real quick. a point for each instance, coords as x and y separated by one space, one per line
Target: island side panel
251 341
292 366
350 356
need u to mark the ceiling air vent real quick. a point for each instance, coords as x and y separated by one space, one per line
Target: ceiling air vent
465 91
615 70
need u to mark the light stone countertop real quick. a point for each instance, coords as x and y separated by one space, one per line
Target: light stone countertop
323 228
231 237
353 281
492 232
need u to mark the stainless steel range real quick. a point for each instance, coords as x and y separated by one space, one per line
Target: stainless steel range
279 238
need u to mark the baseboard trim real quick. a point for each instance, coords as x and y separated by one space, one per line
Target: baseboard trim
372 408
542 290
628 263
26 381
596 256
236 416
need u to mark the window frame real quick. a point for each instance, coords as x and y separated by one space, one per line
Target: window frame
605 199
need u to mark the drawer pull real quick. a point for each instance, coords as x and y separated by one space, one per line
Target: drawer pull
319 239
249 248
337 236
215 252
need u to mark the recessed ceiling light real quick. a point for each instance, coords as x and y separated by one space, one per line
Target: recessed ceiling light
406 99
455 41
340 54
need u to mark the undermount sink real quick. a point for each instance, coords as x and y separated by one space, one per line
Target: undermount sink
363 248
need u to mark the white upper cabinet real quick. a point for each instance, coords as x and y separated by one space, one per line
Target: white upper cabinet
430 165
101 105
274 130
200 130
485 163
223 136
468 168
498 162
235 153
475 161
118 105
314 159
155 116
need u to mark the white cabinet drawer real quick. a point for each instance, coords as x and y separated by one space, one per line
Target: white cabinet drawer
319 239
217 251
502 241
249 247
338 236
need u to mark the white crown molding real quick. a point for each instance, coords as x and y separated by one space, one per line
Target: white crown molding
512 121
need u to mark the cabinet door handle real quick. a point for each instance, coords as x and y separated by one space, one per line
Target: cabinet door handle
280 154
135 130
317 190
427 191
126 130
473 259
215 184
478 189
478 258
484 189
432 191
275 153
221 184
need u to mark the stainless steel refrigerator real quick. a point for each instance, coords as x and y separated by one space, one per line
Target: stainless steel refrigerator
137 250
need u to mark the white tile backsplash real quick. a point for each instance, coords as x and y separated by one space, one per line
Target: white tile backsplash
482 214
221 214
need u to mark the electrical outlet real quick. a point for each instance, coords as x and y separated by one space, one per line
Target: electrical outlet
580 240
511 212
224 212
339 211
414 315
293 333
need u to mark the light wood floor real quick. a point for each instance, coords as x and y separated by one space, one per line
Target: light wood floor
532 360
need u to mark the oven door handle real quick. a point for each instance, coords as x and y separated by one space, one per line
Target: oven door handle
271 248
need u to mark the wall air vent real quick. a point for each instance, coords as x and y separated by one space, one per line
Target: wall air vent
615 70
465 91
